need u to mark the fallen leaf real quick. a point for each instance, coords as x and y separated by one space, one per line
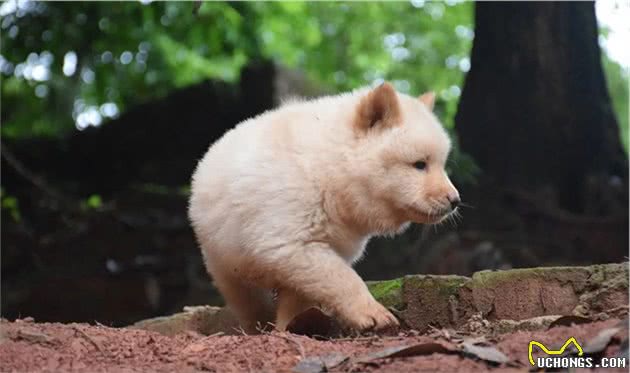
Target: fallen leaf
623 349
318 364
34 336
601 341
490 354
569 320
407 350
309 365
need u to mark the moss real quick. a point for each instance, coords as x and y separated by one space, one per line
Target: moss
614 275
388 293
432 300
441 285
579 277
450 285
490 279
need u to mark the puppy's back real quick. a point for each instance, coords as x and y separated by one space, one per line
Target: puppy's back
250 190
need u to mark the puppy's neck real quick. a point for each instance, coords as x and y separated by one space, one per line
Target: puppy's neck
349 209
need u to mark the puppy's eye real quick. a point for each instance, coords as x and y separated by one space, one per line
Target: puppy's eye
420 165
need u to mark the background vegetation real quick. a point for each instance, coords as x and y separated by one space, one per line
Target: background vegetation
67 65
106 107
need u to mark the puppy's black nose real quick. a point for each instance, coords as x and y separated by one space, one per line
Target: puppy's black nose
454 202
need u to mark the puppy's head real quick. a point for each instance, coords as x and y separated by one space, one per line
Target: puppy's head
401 150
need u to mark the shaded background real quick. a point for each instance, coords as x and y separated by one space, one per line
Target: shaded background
106 107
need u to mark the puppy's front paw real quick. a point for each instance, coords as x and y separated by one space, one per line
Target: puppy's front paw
369 315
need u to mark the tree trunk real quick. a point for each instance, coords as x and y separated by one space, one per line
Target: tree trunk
535 112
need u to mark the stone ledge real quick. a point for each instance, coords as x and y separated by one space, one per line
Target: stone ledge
421 301
201 319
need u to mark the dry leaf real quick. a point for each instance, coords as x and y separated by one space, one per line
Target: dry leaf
569 320
623 349
601 341
318 364
408 350
490 354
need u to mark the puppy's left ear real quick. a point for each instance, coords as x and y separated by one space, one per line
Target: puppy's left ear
378 109
428 99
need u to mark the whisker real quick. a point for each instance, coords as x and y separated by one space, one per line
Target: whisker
449 220
458 217
453 218
430 214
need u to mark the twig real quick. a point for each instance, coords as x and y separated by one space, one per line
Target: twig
69 203
616 310
196 6
34 336
268 328
359 339
92 341
29 175
291 340
240 330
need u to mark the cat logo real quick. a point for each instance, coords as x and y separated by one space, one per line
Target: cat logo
553 352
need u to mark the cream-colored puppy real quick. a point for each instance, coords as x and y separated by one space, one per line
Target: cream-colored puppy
288 200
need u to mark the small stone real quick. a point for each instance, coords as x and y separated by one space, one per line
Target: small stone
580 310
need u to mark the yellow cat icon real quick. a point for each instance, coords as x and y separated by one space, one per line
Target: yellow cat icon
553 352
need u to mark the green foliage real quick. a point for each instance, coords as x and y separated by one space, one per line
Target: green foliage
183 190
93 202
129 52
11 205
617 81
126 53
389 293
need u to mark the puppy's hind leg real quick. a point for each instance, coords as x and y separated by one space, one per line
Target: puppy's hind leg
252 306
290 304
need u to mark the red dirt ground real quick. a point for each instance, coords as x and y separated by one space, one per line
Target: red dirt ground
26 346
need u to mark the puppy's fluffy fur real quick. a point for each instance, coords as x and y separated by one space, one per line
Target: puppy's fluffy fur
288 200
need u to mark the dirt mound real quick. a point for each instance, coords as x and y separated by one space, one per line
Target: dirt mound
34 347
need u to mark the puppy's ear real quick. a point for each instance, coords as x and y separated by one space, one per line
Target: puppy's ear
428 99
378 109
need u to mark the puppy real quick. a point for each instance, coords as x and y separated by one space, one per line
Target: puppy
288 200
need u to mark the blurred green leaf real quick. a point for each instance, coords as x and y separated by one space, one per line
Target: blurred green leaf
93 202
11 204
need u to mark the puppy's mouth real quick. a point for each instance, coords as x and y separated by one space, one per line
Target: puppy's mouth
424 217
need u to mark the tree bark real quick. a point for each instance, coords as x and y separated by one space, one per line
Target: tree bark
535 112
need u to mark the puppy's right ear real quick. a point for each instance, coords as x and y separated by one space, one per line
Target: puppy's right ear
379 109
428 99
